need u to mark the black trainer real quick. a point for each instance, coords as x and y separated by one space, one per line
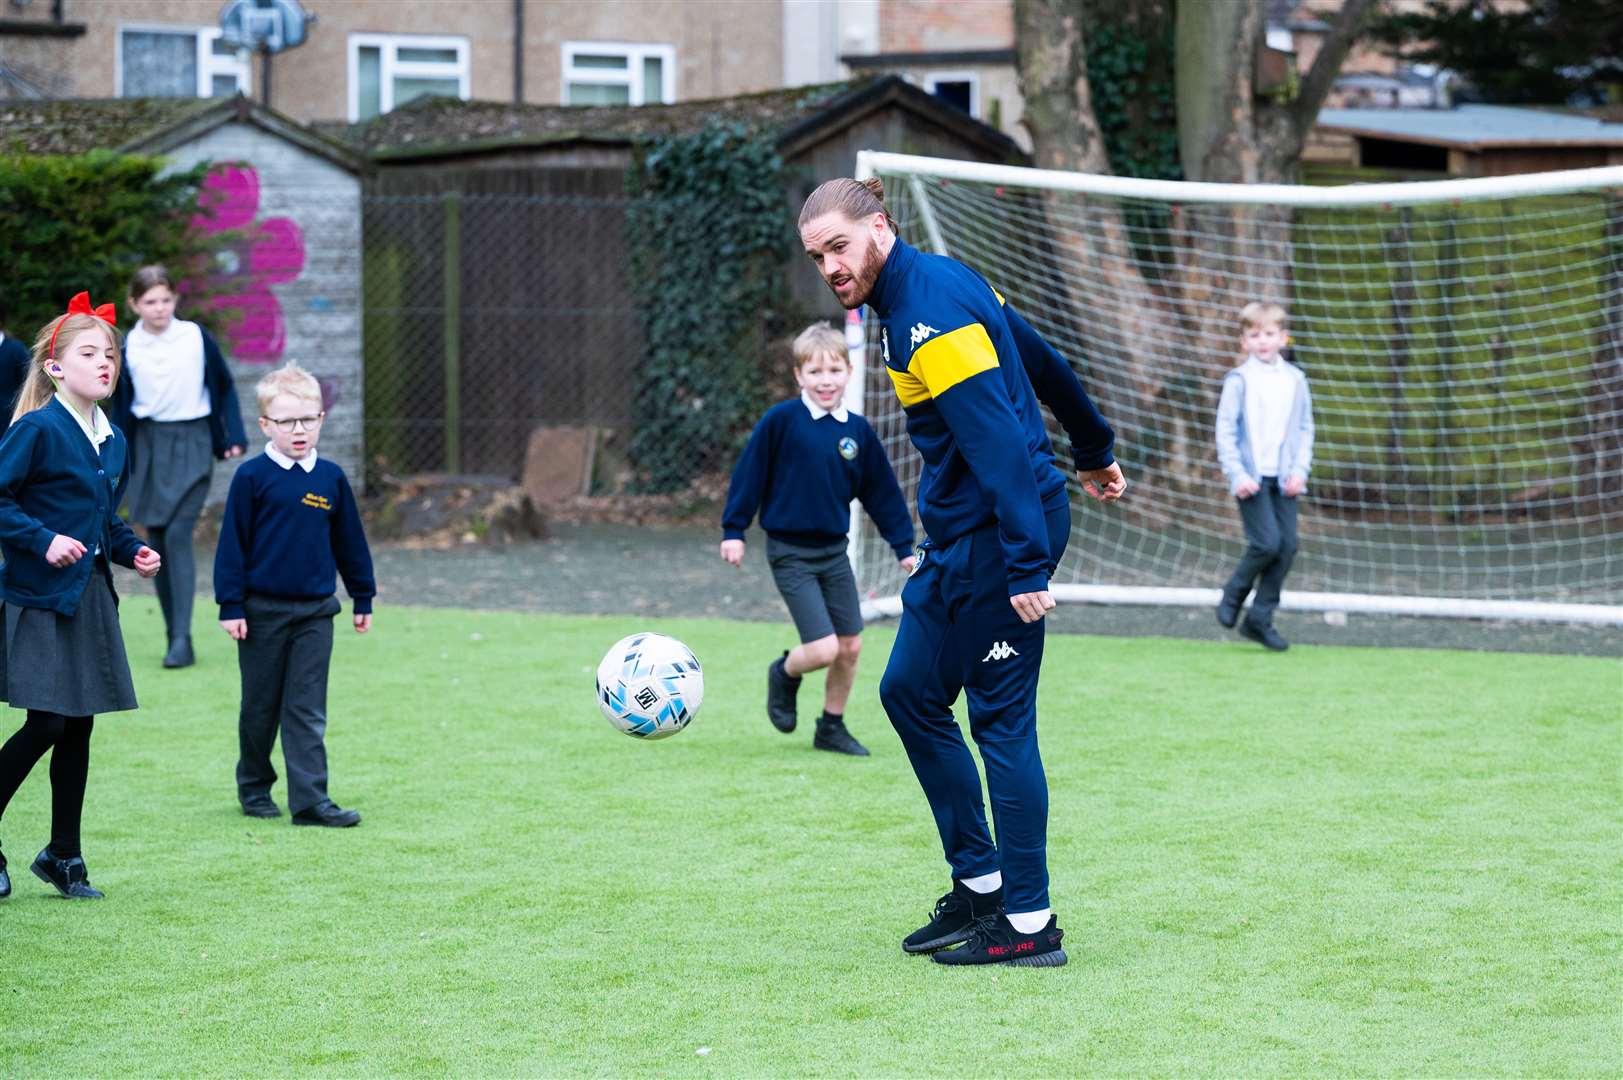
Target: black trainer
781 690
831 735
953 919
5 879
67 876
1228 611
994 940
1266 636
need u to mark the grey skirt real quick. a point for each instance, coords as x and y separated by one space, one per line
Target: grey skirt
167 463
72 665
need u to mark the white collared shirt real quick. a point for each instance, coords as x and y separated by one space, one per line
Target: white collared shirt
166 372
98 431
1270 391
839 412
307 462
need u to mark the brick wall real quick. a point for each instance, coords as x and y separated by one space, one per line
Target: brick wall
933 26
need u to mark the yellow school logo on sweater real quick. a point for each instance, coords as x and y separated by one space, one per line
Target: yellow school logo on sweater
320 502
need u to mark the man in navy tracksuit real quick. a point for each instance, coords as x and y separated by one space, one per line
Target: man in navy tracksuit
969 373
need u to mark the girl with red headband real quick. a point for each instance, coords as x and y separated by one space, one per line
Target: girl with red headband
62 471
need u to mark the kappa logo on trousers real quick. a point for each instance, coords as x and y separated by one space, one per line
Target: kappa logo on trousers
1001 650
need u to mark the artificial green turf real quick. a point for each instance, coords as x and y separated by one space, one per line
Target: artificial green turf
1333 861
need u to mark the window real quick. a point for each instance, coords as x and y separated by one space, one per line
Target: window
388 70
168 61
599 73
962 90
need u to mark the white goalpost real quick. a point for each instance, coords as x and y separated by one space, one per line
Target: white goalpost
1463 340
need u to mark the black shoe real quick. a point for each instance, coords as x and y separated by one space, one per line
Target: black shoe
5 879
68 876
180 653
1228 612
1265 636
831 735
954 917
781 688
329 814
994 940
261 806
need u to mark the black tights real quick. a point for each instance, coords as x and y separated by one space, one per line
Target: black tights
70 765
178 583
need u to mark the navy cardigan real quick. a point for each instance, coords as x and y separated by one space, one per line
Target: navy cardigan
53 481
225 415
15 361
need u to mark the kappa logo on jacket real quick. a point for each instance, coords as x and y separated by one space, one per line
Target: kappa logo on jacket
919 333
1001 650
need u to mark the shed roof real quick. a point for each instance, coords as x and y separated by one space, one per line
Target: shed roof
797 116
147 126
1474 127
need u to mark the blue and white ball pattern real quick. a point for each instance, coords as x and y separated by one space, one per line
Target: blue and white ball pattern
649 686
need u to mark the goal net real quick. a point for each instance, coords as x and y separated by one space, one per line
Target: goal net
1463 341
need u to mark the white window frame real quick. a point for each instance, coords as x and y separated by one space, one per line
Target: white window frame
391 67
208 64
635 54
932 78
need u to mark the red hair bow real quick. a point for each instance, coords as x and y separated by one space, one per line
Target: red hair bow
80 305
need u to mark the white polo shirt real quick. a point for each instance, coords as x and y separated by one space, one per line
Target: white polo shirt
166 371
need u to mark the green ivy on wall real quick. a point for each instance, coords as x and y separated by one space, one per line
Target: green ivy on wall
709 238
86 222
1133 101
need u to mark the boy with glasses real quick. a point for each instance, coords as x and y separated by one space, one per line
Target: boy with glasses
291 528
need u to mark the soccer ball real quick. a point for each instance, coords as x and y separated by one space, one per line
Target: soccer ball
649 686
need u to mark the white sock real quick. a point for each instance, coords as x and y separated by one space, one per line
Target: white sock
985 883
1029 922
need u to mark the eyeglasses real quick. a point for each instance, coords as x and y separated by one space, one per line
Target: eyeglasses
293 423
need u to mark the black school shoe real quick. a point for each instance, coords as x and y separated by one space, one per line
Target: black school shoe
1228 612
261 807
329 814
67 876
781 690
180 653
1266 636
831 735
954 918
994 940
5 879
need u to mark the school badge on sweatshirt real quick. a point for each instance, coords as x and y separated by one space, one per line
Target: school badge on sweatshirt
848 448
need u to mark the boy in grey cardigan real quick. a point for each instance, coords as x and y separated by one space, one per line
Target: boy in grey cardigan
1265 447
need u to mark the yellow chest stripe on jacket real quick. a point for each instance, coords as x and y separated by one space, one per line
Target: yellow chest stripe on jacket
943 362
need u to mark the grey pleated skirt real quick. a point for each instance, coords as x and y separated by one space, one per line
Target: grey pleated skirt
167 462
74 665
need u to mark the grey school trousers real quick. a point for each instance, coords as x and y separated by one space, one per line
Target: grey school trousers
1270 547
284 685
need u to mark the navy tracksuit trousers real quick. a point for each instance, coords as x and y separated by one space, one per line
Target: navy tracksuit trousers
959 633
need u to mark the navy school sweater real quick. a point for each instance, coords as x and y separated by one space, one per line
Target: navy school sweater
52 480
802 474
289 533
969 373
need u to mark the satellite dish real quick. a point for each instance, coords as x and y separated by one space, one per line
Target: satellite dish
267 26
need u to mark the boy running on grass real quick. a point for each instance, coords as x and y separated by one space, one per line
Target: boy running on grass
806 460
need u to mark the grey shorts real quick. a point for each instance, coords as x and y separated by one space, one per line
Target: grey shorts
818 587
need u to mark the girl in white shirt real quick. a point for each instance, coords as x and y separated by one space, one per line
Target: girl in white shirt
177 405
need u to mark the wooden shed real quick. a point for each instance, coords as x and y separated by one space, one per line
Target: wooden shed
292 284
496 231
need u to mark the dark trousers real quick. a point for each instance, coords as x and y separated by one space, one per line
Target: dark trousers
959 633
70 768
177 584
284 663
1270 547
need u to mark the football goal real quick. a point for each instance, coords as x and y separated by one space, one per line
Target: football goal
1463 340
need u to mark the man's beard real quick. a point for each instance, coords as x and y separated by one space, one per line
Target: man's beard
864 278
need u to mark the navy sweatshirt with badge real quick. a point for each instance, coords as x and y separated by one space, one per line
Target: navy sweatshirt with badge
803 473
289 533
970 372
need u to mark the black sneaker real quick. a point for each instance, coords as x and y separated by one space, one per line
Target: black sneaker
994 940
954 917
1228 611
67 876
1266 636
831 735
5 879
781 689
